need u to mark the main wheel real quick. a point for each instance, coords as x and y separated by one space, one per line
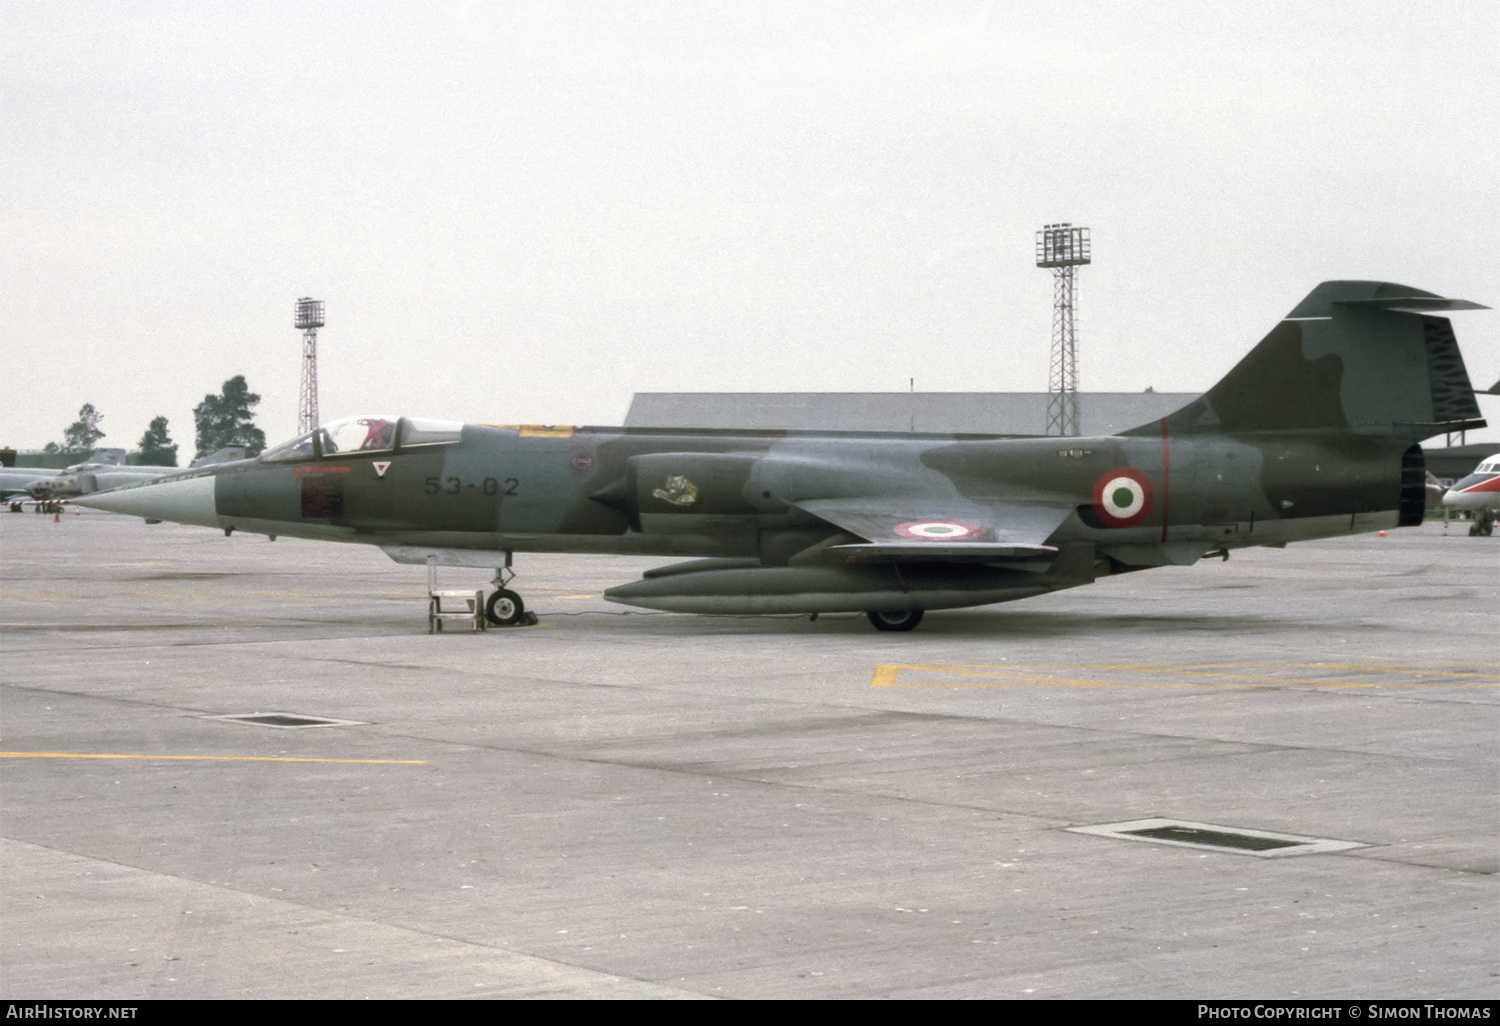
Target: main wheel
504 608
894 619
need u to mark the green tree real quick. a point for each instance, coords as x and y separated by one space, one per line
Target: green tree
84 433
226 419
156 446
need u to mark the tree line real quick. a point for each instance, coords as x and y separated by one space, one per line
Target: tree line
222 420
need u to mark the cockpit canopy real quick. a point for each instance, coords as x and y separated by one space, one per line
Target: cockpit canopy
371 433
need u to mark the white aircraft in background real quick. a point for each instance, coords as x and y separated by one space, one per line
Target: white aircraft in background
1478 493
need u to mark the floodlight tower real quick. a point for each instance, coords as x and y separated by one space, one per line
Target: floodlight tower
1063 248
309 320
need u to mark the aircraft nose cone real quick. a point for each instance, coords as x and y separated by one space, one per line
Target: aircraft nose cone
182 500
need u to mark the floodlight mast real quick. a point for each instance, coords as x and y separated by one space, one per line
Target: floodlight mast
1063 248
309 320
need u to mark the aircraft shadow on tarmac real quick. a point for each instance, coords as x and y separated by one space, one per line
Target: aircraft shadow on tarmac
967 623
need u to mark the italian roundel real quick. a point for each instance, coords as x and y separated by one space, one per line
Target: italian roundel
938 530
1122 497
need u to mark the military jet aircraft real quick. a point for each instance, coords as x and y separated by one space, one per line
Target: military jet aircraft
1312 435
16 482
1479 494
85 478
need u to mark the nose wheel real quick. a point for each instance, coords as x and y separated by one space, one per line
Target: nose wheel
505 607
1484 524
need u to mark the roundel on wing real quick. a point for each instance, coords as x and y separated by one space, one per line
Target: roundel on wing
938 530
1122 498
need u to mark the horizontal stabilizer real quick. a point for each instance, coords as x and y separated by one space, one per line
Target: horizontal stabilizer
1414 304
1374 295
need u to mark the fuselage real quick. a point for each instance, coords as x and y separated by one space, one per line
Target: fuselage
1479 490
1314 433
564 489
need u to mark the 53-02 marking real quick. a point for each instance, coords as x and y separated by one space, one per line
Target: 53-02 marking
456 486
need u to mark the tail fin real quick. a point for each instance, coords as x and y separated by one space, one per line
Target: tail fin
1359 357
107 457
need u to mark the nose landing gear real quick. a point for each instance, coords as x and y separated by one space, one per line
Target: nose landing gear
505 607
1484 524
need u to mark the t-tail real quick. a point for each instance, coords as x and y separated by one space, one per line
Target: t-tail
1360 372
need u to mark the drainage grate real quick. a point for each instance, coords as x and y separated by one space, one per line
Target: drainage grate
1212 837
285 721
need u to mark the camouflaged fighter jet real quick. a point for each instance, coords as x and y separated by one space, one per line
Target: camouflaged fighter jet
1312 435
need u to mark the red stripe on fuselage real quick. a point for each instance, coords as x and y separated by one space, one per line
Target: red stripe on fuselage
1492 485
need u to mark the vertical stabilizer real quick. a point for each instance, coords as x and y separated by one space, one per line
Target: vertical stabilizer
1357 357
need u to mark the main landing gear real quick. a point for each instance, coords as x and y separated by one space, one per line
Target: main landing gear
505 608
894 619
1484 524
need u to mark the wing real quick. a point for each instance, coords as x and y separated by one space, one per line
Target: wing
908 528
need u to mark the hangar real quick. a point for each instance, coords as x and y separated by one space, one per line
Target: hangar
1000 413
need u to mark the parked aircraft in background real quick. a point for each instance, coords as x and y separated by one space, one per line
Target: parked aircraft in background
1478 494
87 478
1313 434
16 482
103 470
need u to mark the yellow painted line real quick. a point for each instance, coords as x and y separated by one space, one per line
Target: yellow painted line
39 595
1289 680
206 758
1368 667
887 675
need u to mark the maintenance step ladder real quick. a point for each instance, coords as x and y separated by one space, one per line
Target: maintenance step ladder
474 613
462 605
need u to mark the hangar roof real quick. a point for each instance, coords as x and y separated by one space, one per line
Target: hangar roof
1004 413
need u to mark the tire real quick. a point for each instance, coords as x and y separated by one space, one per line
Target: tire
505 608
894 619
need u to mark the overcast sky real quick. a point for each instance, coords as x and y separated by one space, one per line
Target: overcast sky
526 212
